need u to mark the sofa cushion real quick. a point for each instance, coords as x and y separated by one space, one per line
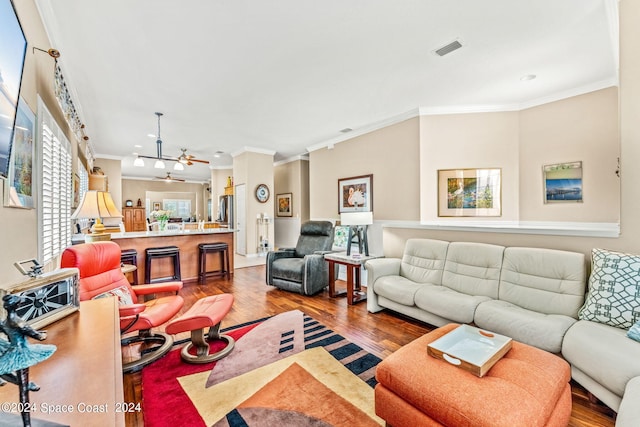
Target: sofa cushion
473 268
543 280
604 352
397 289
544 331
423 260
288 269
447 303
614 289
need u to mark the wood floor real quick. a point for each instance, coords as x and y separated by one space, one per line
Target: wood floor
381 333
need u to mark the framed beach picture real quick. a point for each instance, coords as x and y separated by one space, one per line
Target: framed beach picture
355 194
562 182
283 204
19 187
469 192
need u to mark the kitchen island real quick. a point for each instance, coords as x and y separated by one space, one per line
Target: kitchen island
186 240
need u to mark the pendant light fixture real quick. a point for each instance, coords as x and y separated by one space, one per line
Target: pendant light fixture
160 160
159 163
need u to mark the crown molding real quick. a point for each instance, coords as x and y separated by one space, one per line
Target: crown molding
303 157
464 109
246 149
366 129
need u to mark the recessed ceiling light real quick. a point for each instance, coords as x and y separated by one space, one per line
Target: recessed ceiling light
138 146
150 135
218 153
528 77
345 130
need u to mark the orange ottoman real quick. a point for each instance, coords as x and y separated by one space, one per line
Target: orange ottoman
207 312
528 387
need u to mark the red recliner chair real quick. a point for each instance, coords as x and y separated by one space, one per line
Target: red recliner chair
101 276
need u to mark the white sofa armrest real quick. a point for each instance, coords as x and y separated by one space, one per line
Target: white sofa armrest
381 267
377 268
629 411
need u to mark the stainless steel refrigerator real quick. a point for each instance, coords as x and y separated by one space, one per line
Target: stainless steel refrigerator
225 211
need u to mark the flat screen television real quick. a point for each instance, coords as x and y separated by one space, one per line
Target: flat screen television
13 48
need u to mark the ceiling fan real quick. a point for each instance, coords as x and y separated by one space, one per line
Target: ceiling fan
184 158
169 178
188 159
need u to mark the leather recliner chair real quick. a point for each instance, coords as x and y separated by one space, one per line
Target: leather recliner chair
101 276
303 269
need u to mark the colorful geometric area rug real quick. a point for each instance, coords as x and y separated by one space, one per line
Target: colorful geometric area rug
286 370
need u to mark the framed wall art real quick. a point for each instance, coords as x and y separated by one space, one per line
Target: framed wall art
355 194
156 206
562 182
19 184
283 204
469 192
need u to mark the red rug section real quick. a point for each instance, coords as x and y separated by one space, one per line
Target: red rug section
162 393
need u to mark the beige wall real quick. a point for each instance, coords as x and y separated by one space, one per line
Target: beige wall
463 141
113 170
391 154
582 128
293 177
252 169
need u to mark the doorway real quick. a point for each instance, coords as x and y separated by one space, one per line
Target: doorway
241 219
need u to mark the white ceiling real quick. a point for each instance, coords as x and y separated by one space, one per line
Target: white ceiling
284 76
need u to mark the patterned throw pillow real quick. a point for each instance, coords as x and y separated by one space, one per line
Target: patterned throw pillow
614 289
122 292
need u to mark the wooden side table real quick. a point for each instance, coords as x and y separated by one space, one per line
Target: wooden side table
352 263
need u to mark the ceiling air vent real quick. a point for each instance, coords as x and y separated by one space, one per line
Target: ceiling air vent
454 45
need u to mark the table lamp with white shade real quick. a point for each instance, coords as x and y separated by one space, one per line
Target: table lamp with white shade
357 223
97 205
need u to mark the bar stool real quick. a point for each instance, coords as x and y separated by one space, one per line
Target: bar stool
162 252
217 247
130 256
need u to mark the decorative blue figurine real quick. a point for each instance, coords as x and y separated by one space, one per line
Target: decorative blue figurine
17 355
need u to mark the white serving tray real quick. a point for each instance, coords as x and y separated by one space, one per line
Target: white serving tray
472 349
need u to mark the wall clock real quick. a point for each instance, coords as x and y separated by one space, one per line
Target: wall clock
262 193
129 203
47 298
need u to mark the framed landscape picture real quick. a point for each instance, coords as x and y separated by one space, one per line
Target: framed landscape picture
469 192
19 185
283 204
562 182
355 194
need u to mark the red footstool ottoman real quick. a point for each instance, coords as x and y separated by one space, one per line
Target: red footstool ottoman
207 312
528 387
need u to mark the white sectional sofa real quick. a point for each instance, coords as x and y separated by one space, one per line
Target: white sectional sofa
533 295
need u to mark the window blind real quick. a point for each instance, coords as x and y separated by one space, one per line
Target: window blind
56 187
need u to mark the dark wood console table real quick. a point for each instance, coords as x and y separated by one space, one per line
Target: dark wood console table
81 383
